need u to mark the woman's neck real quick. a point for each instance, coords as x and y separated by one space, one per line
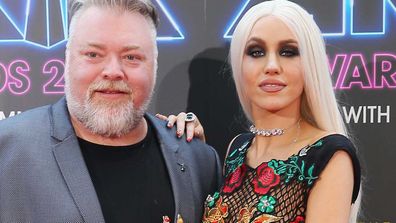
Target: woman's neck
264 149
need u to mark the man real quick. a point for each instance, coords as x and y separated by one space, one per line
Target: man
95 155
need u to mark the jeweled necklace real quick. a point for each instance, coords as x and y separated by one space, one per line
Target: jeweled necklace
272 132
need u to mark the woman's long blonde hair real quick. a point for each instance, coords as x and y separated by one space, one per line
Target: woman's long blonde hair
319 106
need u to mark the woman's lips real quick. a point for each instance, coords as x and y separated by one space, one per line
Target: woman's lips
272 86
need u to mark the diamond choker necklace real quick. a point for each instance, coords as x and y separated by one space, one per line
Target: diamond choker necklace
272 132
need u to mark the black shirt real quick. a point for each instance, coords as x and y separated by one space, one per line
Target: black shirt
132 182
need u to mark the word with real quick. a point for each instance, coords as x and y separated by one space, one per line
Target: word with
367 114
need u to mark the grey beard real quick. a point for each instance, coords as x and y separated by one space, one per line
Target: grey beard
106 118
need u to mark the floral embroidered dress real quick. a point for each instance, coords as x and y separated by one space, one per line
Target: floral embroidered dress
275 191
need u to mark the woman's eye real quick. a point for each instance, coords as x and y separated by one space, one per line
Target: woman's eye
255 52
289 52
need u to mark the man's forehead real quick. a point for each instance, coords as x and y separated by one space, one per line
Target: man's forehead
103 27
104 46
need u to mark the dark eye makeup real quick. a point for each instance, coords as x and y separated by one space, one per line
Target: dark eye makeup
289 51
257 51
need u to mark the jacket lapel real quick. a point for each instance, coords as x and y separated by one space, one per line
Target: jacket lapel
71 164
178 169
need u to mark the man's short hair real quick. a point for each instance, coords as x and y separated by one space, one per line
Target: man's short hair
143 7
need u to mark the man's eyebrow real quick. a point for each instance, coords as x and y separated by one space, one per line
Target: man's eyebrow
130 47
96 45
103 47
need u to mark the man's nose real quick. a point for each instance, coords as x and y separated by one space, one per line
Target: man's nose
113 69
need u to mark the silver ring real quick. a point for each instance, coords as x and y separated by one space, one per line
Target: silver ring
190 117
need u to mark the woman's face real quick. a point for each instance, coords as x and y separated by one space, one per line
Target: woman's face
272 73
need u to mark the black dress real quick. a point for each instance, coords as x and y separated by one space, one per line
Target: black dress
275 191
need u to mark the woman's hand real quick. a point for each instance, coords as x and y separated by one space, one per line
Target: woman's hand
185 122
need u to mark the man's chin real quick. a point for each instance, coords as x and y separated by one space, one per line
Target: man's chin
111 124
110 101
108 107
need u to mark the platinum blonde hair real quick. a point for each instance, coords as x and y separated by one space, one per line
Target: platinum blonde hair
319 106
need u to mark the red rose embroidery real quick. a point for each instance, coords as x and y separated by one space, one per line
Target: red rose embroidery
235 179
265 179
299 219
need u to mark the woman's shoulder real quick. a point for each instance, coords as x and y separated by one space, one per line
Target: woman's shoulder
322 150
236 152
241 139
239 143
328 144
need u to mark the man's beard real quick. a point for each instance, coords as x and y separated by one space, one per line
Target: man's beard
107 118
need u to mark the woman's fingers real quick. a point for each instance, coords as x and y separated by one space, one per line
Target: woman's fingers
171 121
161 116
180 124
190 131
185 123
199 132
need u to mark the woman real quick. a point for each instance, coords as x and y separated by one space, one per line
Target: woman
296 165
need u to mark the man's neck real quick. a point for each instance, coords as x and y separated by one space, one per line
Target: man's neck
133 137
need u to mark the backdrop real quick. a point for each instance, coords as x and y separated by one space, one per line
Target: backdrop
194 75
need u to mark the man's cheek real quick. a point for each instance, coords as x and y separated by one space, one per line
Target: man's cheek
140 95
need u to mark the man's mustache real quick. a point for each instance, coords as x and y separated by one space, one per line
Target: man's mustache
104 85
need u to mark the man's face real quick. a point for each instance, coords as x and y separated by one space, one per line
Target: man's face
110 70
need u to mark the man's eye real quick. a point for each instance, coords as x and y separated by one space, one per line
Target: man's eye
92 54
130 57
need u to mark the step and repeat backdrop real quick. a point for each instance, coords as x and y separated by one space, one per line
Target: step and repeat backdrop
194 75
